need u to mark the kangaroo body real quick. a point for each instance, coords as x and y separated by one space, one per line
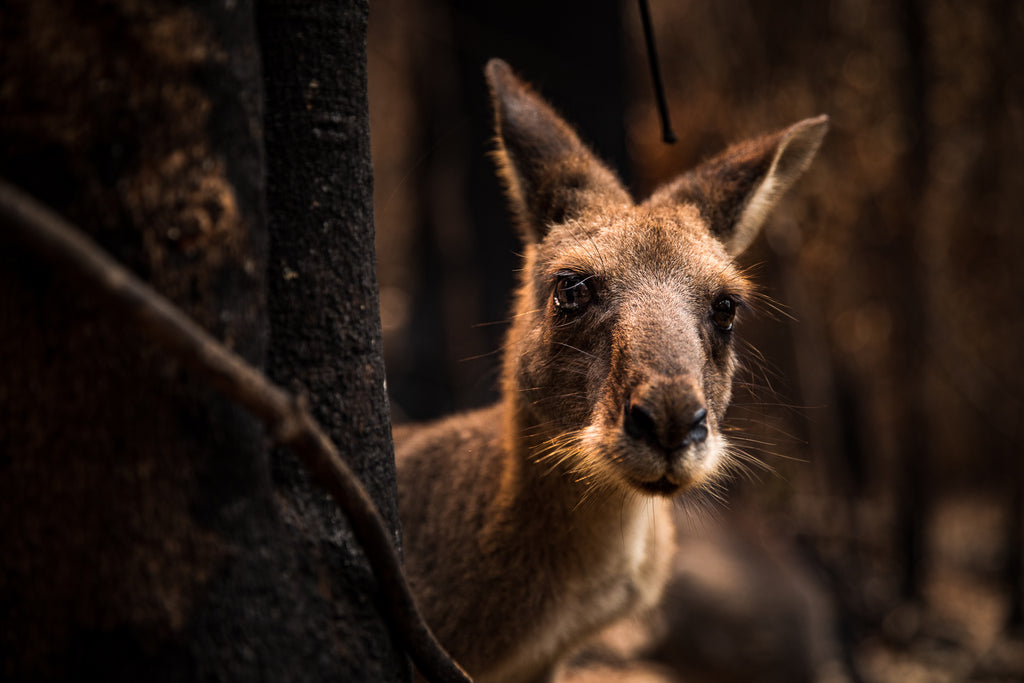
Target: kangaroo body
527 571
534 523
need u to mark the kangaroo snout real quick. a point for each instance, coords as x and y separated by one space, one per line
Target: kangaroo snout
668 415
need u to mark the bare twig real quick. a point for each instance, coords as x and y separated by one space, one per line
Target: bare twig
667 134
70 251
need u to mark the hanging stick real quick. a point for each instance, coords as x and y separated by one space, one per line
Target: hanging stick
667 134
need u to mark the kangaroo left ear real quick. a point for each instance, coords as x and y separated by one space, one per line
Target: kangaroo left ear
737 189
550 176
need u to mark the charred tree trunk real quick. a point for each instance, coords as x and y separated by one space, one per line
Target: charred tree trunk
325 336
141 536
914 475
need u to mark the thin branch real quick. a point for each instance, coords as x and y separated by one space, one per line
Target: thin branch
667 134
69 251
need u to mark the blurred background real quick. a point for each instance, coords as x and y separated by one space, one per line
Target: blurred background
882 539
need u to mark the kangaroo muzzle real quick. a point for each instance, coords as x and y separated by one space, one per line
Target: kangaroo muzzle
669 415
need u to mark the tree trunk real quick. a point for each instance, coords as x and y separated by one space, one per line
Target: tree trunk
141 537
325 336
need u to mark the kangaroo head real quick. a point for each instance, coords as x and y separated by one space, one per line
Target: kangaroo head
621 351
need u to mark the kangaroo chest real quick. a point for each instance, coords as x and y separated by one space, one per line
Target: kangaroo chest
614 570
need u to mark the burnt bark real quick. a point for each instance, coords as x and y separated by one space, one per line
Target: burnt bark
141 535
913 436
325 337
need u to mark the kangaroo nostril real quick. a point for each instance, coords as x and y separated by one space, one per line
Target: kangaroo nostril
678 428
698 427
639 423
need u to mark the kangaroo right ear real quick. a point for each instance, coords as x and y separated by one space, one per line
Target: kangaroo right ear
737 189
550 176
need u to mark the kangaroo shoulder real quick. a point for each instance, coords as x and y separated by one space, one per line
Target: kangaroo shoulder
452 437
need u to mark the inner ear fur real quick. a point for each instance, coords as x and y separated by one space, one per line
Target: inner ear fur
549 175
736 190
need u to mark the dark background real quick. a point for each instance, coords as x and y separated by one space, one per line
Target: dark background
885 394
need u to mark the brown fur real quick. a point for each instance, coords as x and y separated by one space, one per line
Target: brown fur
531 524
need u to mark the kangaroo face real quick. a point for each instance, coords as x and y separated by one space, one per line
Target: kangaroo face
621 352
631 320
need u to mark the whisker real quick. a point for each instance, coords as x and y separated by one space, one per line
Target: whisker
574 348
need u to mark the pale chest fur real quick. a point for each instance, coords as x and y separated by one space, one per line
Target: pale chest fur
627 562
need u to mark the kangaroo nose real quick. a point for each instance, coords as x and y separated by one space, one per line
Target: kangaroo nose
668 427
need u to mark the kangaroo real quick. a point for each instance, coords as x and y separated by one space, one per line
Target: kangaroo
532 524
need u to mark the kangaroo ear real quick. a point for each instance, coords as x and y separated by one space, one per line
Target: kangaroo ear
737 189
550 176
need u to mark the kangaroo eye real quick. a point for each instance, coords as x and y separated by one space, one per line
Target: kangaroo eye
572 292
723 313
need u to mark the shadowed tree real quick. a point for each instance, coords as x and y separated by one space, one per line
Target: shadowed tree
146 531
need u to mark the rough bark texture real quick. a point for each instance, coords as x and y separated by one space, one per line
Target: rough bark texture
140 534
325 338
